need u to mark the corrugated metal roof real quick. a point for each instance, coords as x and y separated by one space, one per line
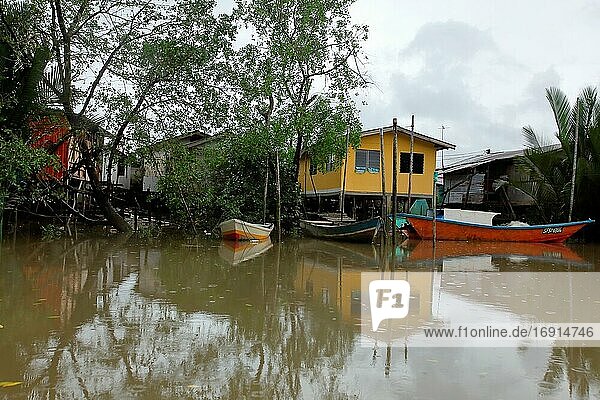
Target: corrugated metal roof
481 159
485 158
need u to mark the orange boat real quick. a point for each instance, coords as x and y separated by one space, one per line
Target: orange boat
457 230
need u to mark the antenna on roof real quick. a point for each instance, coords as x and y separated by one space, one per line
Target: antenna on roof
442 128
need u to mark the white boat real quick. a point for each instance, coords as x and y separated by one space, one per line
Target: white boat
236 229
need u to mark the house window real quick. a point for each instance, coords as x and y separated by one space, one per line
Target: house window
366 160
418 163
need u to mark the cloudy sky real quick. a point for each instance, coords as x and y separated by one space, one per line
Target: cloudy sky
478 67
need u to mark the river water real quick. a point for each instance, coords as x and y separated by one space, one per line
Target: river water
112 318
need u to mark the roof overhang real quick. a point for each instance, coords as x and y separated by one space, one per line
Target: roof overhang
439 144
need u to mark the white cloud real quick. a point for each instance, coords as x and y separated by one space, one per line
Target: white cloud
479 67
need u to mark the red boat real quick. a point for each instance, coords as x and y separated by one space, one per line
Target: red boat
457 230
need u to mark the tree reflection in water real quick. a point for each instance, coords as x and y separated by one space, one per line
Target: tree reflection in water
111 318
121 320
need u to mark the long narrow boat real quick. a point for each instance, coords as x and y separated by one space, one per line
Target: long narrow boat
457 230
361 231
236 229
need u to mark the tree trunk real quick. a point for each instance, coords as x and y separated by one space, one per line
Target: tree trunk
110 213
297 156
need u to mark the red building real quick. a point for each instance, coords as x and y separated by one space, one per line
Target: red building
49 131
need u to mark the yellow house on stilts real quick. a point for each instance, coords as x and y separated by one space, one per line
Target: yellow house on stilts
363 169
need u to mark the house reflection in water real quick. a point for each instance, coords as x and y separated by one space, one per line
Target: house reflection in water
329 275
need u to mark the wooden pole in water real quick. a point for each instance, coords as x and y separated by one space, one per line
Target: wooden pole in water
343 190
266 190
574 160
383 197
434 204
278 196
410 170
394 180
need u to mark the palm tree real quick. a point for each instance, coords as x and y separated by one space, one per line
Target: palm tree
21 74
549 168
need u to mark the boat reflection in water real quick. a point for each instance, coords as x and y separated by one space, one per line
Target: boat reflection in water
330 273
236 252
505 282
485 256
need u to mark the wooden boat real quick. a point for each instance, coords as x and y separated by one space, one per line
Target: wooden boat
361 231
236 229
458 230
236 252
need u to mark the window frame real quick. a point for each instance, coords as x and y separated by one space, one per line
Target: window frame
368 166
415 170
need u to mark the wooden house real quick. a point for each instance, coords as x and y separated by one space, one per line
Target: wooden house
51 130
363 170
475 183
124 175
155 166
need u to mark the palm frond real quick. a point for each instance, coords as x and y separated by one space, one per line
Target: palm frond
593 137
589 99
33 77
48 88
532 142
562 112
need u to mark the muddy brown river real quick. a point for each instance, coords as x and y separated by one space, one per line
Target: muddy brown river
112 318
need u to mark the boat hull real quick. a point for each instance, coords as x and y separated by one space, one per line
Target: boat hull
455 230
361 231
236 229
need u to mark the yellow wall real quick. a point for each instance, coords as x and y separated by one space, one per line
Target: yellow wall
331 181
370 183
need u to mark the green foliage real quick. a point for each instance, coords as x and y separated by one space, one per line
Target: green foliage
225 180
305 61
163 68
184 187
20 164
293 87
549 168
326 126
51 232
22 63
147 232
